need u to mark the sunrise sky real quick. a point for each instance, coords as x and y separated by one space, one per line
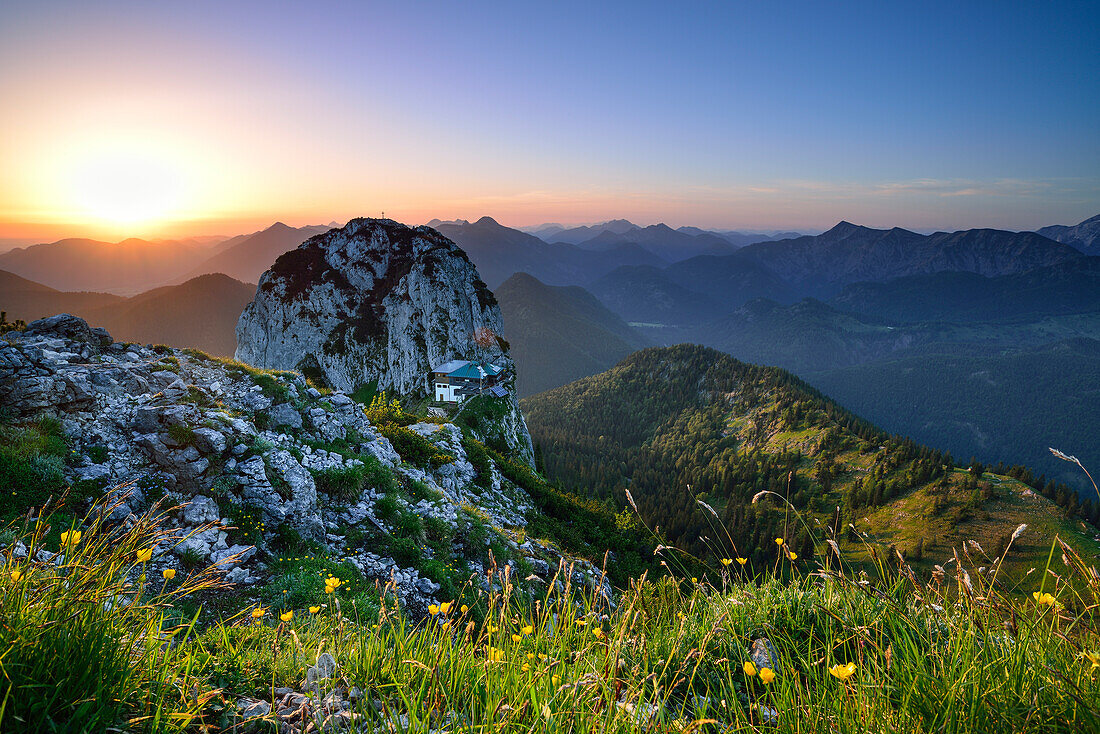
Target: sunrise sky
164 119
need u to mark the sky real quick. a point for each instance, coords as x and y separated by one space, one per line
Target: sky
170 119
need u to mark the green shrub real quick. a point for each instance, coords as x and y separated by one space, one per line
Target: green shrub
414 448
479 458
418 490
182 434
98 454
272 387
343 483
387 507
32 465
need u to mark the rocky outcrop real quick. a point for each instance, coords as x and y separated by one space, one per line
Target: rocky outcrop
375 302
231 445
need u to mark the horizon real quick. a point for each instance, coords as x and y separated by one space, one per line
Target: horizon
170 122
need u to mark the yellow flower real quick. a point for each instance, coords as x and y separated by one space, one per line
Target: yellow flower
433 609
749 668
767 675
555 680
598 633
287 616
793 556
464 608
494 654
1044 598
143 556
694 580
581 622
445 607
779 541
16 575
527 630
314 610
530 656
71 537
168 574
516 638
843 672
742 561
330 589
526 667
543 657
445 626
727 561
258 612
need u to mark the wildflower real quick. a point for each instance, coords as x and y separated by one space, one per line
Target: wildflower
168 574
526 668
287 616
433 609
581 622
144 555
527 630
494 654
1044 598
843 672
793 556
543 657
16 575
598 633
445 626
530 656
742 561
694 580
445 607
779 541
464 608
258 612
330 589
516 638
749 668
767 675
555 680
314 610
681 616
70 537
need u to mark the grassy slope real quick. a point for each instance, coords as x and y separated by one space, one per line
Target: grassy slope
762 429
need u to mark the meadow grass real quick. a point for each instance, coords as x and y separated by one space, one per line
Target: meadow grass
88 643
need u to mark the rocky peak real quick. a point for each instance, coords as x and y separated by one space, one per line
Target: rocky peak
375 302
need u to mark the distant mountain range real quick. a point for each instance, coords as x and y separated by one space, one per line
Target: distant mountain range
1084 236
559 333
247 257
125 267
132 266
499 252
201 313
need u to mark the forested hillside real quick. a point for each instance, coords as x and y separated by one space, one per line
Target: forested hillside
681 424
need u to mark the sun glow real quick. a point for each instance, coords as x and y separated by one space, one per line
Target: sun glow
128 187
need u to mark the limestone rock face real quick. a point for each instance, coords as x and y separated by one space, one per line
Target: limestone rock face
376 301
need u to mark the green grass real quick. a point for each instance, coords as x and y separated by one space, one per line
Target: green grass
958 655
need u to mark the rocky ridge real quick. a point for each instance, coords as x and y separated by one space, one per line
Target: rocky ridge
219 438
375 302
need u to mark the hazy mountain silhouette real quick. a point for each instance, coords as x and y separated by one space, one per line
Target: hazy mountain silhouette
125 267
499 251
559 333
246 257
822 265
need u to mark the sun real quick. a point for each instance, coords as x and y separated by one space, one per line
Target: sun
127 188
